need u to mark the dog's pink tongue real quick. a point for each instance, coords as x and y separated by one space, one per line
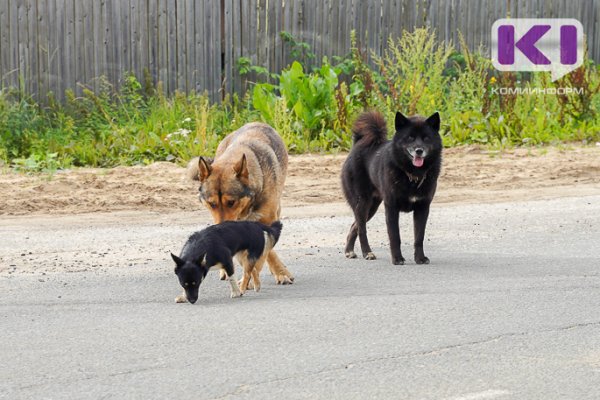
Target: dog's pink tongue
418 162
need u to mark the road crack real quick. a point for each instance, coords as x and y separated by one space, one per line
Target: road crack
246 387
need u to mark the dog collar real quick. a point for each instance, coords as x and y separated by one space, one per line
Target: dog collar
413 178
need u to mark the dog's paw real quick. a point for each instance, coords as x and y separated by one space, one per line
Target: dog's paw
235 294
351 254
422 260
284 279
257 287
180 299
398 260
369 256
222 274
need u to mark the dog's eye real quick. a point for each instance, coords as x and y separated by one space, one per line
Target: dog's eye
230 203
212 205
426 139
410 138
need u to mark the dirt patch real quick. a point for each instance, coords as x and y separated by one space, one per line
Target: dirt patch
470 174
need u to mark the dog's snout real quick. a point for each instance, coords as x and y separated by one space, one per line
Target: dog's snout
419 151
192 300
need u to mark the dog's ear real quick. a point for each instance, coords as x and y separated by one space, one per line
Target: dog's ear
401 121
434 121
204 169
178 262
241 168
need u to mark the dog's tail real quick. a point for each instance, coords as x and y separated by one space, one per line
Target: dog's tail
370 128
274 231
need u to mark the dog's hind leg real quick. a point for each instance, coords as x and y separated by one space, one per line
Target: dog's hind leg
242 258
362 213
248 267
351 241
256 268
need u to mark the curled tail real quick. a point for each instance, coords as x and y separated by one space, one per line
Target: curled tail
274 231
370 128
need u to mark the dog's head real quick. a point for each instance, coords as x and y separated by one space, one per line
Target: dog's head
191 275
224 189
418 138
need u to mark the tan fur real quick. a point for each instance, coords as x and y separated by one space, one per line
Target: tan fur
245 182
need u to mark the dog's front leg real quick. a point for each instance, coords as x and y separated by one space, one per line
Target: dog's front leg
235 289
230 272
420 215
392 216
181 298
279 271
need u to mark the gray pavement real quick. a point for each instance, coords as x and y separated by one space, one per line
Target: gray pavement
509 308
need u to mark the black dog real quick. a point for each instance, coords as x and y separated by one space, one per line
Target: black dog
215 246
401 172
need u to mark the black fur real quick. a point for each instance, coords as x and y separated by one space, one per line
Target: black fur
401 172
218 244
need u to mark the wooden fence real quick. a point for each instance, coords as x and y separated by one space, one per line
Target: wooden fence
53 45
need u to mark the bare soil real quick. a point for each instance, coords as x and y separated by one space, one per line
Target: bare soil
470 174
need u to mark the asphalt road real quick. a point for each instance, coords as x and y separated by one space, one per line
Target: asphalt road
509 308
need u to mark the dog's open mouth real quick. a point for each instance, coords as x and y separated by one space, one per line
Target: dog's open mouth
418 161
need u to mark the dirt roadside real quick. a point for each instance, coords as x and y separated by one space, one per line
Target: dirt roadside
470 174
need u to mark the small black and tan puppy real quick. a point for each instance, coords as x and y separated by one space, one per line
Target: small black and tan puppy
215 247
401 172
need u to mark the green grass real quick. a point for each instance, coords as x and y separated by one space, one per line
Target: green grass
311 105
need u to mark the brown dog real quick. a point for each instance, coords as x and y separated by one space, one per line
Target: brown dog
245 182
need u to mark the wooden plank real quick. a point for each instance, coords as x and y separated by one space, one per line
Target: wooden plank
89 42
125 40
78 46
43 35
238 20
4 42
171 70
201 48
190 40
291 12
275 17
181 47
14 69
228 49
162 63
134 43
592 34
57 16
116 41
32 72
70 77
250 44
10 75
216 60
23 38
144 31
96 36
209 48
151 40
